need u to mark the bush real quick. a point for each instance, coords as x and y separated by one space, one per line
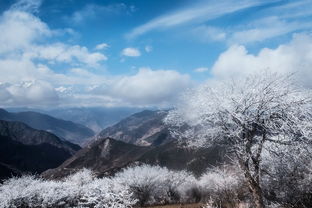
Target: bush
290 180
80 189
223 186
156 185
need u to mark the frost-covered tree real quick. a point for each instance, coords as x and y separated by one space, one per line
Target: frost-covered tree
249 115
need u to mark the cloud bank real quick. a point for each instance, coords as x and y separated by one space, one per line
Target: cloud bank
199 13
293 57
30 57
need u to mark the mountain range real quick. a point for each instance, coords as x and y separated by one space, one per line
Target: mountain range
67 130
27 150
106 156
140 138
95 118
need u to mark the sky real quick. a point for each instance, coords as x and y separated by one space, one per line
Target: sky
138 53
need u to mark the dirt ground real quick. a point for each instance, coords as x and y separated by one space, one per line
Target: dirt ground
179 206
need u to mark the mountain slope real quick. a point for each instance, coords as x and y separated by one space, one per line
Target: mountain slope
106 156
24 149
75 133
145 128
102 156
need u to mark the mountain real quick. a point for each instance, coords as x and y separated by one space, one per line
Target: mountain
144 129
24 149
106 156
139 138
68 130
95 118
102 156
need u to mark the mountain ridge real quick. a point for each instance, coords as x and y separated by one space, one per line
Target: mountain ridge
144 128
27 150
106 156
68 130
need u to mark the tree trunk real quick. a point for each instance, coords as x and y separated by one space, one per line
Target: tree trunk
253 184
257 195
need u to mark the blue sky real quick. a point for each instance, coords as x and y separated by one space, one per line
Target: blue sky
143 53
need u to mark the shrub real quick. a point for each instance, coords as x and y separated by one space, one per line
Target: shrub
221 186
80 189
156 185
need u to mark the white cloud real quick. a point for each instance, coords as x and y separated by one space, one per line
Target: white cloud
150 87
72 54
201 69
101 46
27 5
198 13
91 11
132 52
295 56
293 9
267 28
35 93
19 30
27 52
271 22
21 33
207 33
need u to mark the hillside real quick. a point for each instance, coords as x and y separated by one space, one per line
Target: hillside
24 149
103 156
144 129
68 130
106 156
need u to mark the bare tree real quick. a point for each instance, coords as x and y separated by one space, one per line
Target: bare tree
252 115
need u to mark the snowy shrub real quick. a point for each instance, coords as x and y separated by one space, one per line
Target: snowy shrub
222 186
17 192
78 190
182 187
156 185
290 178
107 193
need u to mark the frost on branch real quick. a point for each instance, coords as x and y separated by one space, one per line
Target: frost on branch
232 108
251 116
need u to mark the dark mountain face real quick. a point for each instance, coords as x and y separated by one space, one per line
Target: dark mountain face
73 132
106 156
176 156
24 149
103 157
144 129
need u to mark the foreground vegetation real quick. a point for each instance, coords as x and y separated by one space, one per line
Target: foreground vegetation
259 117
143 186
